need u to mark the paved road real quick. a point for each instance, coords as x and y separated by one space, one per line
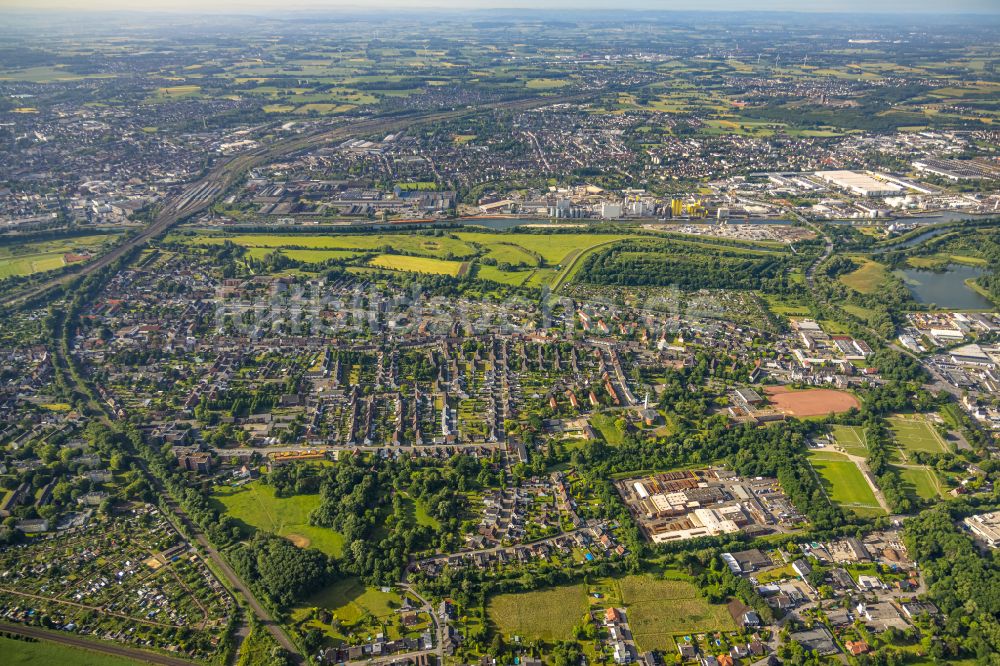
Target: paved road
88 644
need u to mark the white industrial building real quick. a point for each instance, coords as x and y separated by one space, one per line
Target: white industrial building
860 183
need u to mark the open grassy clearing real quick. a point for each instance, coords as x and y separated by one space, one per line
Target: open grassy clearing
867 278
257 507
350 600
539 615
399 262
660 610
844 483
494 274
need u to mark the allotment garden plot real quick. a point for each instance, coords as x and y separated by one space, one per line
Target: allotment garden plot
132 576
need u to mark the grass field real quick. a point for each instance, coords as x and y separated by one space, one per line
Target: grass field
399 262
914 433
867 278
30 258
540 615
494 274
256 506
658 610
44 653
553 248
431 246
605 424
844 482
851 439
438 255
350 600
307 256
359 610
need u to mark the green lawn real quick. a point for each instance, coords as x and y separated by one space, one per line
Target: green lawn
553 248
605 424
307 256
44 653
844 482
540 615
256 506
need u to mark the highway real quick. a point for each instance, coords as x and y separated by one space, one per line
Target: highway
201 194
102 647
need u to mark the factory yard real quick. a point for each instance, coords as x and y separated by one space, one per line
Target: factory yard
675 506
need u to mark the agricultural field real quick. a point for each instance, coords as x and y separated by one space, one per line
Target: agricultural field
660 610
540 615
256 506
399 262
527 259
422 244
844 482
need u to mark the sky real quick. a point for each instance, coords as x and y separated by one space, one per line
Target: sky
259 6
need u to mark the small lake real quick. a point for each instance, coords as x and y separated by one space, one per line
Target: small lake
946 289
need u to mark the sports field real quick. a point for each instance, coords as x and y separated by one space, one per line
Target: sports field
540 615
811 402
256 506
660 610
923 480
851 439
844 483
914 433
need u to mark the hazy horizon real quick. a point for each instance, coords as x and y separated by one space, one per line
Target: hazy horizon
269 6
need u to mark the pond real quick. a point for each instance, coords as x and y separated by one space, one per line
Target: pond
946 289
